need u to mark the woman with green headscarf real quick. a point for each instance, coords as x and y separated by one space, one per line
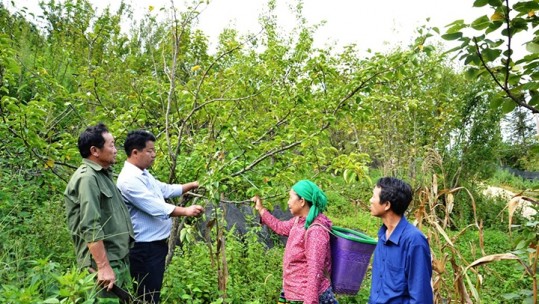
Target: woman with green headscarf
307 255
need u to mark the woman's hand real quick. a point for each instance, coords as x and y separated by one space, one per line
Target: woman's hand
258 204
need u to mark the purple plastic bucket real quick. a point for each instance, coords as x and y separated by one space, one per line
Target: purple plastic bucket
351 252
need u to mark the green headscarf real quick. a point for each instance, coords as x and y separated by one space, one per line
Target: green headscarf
310 192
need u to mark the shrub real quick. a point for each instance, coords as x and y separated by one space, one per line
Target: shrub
254 272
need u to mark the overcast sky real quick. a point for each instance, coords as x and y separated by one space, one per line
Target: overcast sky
375 24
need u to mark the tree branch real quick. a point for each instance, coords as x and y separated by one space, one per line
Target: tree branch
509 39
266 155
503 87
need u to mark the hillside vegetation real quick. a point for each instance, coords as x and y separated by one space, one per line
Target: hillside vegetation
261 112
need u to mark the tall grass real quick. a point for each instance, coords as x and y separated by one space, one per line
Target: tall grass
474 270
475 258
503 178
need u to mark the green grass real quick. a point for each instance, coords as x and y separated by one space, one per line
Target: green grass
506 180
38 255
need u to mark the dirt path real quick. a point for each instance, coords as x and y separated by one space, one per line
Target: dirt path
526 208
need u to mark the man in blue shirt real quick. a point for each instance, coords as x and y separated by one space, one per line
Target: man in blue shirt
151 215
402 268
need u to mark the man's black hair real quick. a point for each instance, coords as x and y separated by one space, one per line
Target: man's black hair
92 136
137 140
395 191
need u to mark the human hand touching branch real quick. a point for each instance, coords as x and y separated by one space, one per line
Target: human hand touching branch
258 204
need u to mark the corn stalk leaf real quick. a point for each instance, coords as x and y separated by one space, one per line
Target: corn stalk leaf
511 207
442 232
472 288
493 258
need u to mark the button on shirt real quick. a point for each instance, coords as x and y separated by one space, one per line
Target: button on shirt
96 212
401 268
145 198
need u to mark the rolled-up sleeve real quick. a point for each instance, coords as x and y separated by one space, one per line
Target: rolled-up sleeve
169 190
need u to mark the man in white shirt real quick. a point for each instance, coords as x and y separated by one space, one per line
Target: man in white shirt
151 215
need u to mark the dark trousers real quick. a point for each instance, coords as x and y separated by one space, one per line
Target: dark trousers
147 265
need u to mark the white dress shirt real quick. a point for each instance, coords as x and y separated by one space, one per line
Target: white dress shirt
145 198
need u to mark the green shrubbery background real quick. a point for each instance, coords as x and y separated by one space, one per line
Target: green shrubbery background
252 117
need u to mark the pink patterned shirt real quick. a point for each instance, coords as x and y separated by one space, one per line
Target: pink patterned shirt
307 257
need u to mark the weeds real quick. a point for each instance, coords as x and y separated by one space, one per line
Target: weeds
505 178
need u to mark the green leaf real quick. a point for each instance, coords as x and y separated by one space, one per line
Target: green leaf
490 54
521 244
495 3
456 26
456 22
471 73
494 44
183 235
525 7
534 101
514 79
508 106
13 66
519 24
481 23
452 36
496 102
429 49
494 25
480 3
473 58
457 48
511 296
532 47
531 86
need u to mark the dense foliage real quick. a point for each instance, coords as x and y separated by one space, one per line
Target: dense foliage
251 117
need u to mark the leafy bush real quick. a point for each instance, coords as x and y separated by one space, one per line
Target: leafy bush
254 272
188 281
32 213
44 281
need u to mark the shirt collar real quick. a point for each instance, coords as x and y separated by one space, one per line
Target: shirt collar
396 234
92 164
97 167
132 169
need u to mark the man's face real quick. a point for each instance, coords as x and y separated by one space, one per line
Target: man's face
146 157
377 208
106 156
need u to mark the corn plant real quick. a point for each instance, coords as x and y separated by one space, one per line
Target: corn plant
455 278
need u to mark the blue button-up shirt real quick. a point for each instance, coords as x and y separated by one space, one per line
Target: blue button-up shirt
145 199
402 267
